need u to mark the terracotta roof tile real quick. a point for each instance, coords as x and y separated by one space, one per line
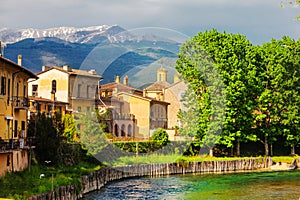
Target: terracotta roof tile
158 86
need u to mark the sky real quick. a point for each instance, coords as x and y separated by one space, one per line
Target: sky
259 20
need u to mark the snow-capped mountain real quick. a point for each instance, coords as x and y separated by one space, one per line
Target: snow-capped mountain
90 35
73 46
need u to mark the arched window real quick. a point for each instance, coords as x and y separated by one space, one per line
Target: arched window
116 130
123 130
53 90
129 130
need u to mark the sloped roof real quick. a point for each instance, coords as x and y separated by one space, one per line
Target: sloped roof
144 98
19 67
35 98
158 86
72 72
119 86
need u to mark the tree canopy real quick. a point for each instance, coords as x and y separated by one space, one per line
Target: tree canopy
259 85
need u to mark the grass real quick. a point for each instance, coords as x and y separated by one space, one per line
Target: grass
20 185
157 158
284 159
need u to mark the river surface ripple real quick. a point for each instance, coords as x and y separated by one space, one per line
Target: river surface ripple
242 185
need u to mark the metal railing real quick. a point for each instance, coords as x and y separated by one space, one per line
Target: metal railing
20 102
10 144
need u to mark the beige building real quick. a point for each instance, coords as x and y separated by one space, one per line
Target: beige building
172 93
77 88
133 113
13 115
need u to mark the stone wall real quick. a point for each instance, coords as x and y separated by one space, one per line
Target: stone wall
98 179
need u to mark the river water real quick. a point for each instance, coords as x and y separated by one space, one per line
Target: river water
242 185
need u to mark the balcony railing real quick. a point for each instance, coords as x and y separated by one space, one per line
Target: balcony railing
10 144
119 116
16 144
20 102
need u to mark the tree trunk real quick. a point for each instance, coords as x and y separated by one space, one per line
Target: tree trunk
266 146
293 149
211 152
231 152
238 148
271 149
136 149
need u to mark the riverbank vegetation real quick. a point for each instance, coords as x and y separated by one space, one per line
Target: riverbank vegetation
21 185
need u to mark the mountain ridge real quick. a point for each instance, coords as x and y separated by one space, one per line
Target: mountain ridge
70 34
121 51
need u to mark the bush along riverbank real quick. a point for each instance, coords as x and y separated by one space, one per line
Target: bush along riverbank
98 179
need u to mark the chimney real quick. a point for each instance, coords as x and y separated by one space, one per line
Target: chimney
93 72
44 68
1 49
53 96
20 60
67 68
117 79
176 78
125 80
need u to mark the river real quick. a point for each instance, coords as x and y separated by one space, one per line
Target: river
242 185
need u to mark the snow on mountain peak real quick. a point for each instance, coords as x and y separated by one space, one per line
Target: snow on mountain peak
70 34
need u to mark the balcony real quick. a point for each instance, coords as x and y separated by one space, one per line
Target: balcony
10 144
122 116
20 102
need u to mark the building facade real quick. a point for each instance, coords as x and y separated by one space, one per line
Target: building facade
134 114
14 106
77 88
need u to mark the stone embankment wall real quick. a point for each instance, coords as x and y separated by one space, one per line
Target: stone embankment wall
98 179
297 163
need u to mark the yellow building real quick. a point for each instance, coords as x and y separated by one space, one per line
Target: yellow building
78 88
13 115
172 93
149 113
133 113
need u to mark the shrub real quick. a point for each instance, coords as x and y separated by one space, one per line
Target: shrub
160 137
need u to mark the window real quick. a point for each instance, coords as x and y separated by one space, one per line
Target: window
53 91
78 90
87 91
34 90
23 127
8 90
16 129
8 161
24 91
88 108
17 89
3 86
79 109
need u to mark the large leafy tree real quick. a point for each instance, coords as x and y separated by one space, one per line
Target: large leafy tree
234 58
91 133
70 131
204 100
278 102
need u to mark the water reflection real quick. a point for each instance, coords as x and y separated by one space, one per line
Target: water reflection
254 185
